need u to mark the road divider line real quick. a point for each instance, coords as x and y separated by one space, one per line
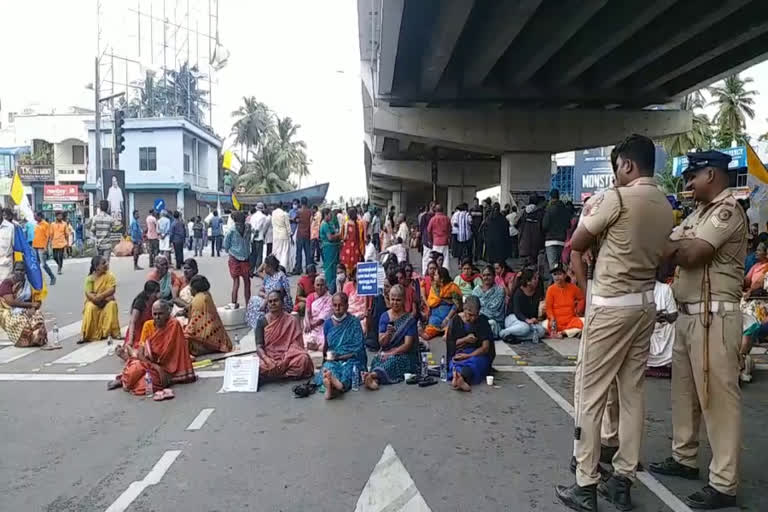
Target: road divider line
200 420
542 369
503 349
81 377
650 482
153 478
10 354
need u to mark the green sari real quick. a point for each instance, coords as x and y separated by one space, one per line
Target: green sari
330 249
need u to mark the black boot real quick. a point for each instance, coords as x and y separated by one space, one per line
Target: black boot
605 474
607 453
582 499
710 499
671 467
616 491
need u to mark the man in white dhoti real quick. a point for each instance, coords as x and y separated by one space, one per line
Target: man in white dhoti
281 236
115 199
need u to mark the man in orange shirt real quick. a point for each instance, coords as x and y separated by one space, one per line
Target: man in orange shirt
40 244
59 239
564 303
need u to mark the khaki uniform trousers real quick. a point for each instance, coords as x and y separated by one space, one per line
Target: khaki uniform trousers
723 416
615 352
609 432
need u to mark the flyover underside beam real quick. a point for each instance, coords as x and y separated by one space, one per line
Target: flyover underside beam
549 131
391 17
480 174
450 21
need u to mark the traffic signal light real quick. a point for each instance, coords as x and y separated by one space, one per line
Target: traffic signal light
119 131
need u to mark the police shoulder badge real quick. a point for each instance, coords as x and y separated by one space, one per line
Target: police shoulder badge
593 204
724 214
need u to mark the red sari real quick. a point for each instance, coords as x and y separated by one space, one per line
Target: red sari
284 346
166 348
354 245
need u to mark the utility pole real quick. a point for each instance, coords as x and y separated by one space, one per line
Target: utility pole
97 144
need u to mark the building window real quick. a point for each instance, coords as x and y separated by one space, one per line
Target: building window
106 158
147 159
186 164
78 155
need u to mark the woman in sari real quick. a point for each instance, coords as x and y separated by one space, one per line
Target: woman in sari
279 344
189 270
319 305
141 311
492 300
274 279
344 356
353 248
469 349
504 277
329 243
356 304
304 287
429 277
444 302
754 301
20 316
164 355
170 283
398 339
387 231
204 332
100 317
468 280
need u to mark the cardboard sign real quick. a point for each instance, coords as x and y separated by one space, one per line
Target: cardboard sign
241 375
368 278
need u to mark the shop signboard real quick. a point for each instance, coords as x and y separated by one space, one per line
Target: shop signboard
35 173
738 159
59 207
61 193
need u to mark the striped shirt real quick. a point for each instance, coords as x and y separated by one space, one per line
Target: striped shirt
101 226
464 221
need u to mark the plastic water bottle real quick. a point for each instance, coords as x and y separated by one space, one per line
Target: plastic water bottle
110 346
535 338
355 378
424 365
554 326
236 346
148 384
56 339
443 370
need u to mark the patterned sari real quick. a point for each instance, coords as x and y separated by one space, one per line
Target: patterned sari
25 326
205 332
358 306
492 305
318 308
392 368
286 356
354 244
344 337
441 302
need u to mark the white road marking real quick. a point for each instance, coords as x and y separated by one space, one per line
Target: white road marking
653 485
153 478
82 377
542 369
10 354
390 488
88 353
503 349
200 420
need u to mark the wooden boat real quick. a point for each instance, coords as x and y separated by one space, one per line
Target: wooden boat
314 194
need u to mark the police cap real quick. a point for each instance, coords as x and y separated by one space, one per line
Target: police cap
703 159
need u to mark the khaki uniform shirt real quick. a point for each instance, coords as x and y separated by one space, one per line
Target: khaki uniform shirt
632 243
723 224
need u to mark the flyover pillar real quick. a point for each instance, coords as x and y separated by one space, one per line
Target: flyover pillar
524 172
458 195
400 200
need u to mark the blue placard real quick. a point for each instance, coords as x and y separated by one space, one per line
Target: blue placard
368 278
159 205
738 160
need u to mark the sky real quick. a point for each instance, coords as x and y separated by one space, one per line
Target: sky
300 57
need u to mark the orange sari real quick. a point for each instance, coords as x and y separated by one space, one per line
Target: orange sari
284 347
167 360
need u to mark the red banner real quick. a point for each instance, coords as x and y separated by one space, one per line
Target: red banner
61 193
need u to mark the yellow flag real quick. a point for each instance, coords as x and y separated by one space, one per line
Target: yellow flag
755 167
235 202
226 160
17 189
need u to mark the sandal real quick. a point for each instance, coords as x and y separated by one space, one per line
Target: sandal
114 384
304 390
158 396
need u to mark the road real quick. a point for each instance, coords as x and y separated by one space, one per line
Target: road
69 445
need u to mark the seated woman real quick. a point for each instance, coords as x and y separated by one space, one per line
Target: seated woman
189 270
468 345
444 302
319 305
164 355
491 297
20 316
204 331
357 306
398 339
279 344
504 276
170 283
523 324
344 352
304 287
430 276
100 310
377 307
564 306
274 279
468 280
141 312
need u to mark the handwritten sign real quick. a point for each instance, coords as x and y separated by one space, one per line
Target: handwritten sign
241 375
368 278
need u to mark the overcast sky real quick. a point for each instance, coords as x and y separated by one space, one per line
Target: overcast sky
299 56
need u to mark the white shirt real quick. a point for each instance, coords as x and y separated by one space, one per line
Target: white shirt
6 248
370 252
258 221
190 230
268 230
281 225
115 198
398 250
402 232
663 337
512 218
455 223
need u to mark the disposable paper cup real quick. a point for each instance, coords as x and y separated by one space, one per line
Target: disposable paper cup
489 380
407 375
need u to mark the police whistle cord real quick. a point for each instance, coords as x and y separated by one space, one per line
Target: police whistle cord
705 317
583 352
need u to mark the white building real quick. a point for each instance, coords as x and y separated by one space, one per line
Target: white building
167 158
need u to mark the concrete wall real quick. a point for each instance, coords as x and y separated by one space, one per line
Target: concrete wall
65 170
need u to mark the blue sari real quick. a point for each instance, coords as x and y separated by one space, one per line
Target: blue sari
392 369
479 365
345 337
330 250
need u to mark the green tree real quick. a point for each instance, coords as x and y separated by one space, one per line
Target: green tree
294 151
671 184
700 134
735 104
254 122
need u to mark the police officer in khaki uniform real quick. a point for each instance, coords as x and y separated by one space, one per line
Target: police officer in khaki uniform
709 248
633 221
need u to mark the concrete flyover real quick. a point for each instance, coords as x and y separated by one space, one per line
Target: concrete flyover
460 95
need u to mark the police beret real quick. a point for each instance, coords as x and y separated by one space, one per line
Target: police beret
702 159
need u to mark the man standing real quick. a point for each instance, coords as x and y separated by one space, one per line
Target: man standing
314 234
376 229
426 241
7 230
198 228
164 234
555 224
303 225
152 238
238 244
632 223
29 230
709 248
59 240
178 236
464 234
477 220
258 225
281 234
40 244
101 227
136 237
531 234
216 233
513 232
439 230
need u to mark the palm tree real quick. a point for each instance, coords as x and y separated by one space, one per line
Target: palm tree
735 105
763 136
294 150
254 122
700 134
